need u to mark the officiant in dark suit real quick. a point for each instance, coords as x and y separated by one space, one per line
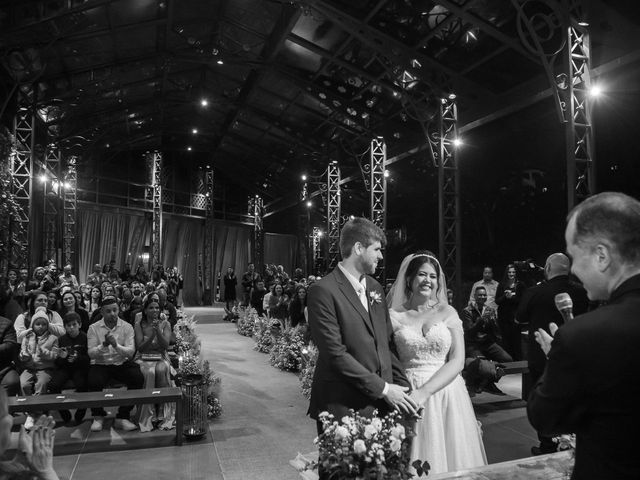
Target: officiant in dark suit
591 383
349 321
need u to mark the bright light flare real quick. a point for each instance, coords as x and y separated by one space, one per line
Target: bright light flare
204 102
457 142
595 91
309 204
304 178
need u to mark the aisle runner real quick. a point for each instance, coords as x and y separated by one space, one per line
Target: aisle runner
206 315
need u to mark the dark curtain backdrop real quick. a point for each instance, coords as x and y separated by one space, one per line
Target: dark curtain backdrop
122 236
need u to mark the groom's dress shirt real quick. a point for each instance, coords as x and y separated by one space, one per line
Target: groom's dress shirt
360 286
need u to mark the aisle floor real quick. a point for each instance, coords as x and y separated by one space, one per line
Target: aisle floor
263 425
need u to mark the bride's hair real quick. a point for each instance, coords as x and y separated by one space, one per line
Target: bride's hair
414 267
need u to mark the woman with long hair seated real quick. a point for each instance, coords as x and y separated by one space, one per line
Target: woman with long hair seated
153 334
70 304
22 325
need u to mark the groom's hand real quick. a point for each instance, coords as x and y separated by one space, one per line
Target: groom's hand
397 397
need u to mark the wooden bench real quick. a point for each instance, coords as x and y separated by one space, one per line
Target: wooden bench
66 401
522 366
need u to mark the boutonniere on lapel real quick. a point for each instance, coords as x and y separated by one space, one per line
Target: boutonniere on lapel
374 297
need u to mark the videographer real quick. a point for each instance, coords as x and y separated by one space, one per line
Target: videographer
538 310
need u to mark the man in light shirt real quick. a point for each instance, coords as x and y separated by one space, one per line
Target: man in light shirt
489 284
111 346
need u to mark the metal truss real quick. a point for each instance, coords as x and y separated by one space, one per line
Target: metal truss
207 267
52 163
256 210
317 251
21 180
70 210
333 213
303 228
444 155
580 151
155 159
378 191
570 42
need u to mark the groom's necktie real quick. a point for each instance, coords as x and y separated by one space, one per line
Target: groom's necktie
362 295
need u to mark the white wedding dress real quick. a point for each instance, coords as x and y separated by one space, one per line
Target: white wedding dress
448 436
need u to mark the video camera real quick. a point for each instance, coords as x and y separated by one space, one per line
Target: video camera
528 272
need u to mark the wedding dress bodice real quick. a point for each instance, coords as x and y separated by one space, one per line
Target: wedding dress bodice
417 350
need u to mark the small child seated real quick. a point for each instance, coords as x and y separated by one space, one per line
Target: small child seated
37 353
72 363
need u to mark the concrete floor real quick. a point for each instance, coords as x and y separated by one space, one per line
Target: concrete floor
263 426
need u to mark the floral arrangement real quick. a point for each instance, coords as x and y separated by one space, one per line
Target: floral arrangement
366 448
188 347
309 359
286 353
264 341
246 322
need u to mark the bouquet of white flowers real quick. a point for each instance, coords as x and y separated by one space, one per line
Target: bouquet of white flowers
366 448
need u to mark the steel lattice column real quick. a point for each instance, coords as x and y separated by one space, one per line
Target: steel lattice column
207 268
21 179
70 210
333 214
317 252
256 210
580 151
303 228
378 190
52 195
155 158
449 194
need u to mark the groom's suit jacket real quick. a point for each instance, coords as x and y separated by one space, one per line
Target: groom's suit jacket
356 351
591 387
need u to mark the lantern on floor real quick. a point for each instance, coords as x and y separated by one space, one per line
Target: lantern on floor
194 404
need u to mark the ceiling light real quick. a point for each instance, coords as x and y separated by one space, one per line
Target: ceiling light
188 149
43 178
595 91
386 174
309 204
457 142
220 62
194 131
304 178
204 102
583 24
66 185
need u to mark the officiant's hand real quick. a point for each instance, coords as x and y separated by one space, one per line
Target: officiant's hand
397 397
544 339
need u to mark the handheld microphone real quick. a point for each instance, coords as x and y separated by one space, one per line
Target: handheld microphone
564 304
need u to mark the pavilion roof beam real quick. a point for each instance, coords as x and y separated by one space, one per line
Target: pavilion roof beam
487 28
87 5
288 17
392 48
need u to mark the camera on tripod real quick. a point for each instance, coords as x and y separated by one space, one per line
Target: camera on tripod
529 272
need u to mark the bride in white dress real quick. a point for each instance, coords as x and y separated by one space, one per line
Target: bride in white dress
430 343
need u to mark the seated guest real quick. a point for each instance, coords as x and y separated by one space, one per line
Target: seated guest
37 281
298 306
152 334
125 305
53 300
482 334
167 307
95 300
70 304
72 362
68 279
22 324
256 296
9 307
37 355
9 380
96 277
279 304
110 342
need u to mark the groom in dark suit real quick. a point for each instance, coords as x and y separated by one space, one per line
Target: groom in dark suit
591 383
357 367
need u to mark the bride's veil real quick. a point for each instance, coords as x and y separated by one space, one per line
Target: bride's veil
397 296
